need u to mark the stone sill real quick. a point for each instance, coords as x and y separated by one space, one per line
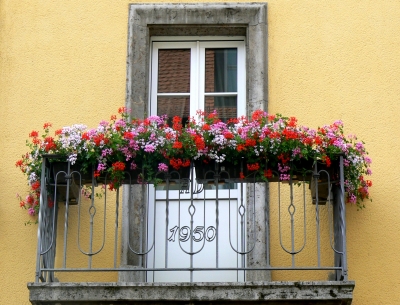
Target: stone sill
280 293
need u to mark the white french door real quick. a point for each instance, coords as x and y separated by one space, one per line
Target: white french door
197 229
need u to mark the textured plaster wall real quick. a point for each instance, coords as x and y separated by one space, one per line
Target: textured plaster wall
64 62
333 60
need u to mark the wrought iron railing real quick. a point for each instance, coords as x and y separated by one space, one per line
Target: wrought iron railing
186 227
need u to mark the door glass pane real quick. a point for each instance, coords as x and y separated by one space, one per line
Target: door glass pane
173 71
226 106
221 70
172 106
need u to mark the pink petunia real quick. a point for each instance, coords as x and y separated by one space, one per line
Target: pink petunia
162 167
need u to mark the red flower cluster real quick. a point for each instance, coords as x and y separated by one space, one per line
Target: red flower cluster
199 142
292 122
250 142
177 163
268 173
241 147
34 134
206 127
228 135
19 163
363 190
284 158
35 186
258 115
47 125
118 166
253 167
326 160
49 144
177 123
177 145
100 139
290 134
122 110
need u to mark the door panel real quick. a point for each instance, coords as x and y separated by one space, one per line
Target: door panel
197 230
183 240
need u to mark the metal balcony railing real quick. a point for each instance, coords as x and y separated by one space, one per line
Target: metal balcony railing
205 227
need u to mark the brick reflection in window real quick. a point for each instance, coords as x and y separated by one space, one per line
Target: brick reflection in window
172 106
174 71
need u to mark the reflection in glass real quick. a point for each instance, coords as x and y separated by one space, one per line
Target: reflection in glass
226 106
173 71
221 70
172 106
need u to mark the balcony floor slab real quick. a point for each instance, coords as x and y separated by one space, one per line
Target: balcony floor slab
271 293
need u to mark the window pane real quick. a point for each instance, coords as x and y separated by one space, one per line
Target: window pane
221 70
226 106
174 71
172 106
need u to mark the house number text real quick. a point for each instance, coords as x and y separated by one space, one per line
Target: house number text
197 235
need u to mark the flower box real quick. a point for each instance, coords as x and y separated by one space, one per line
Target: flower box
227 172
174 175
136 176
327 176
58 179
60 169
323 192
255 149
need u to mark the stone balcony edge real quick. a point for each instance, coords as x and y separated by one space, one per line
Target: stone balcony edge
109 293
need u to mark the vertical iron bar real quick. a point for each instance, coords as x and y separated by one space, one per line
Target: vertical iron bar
41 211
204 215
343 220
53 231
216 176
316 176
197 196
337 232
116 228
267 225
242 230
236 230
141 224
166 222
66 215
305 215
91 233
154 229
292 222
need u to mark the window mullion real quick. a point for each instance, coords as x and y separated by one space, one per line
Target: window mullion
201 73
241 80
154 80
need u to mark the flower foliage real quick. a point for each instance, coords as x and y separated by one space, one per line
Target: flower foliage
279 142
158 144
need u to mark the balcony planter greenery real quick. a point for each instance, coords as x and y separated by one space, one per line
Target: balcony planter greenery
208 170
242 171
261 148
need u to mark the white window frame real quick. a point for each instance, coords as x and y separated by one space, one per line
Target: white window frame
198 46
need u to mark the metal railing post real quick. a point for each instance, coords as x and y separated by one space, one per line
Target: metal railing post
41 212
342 209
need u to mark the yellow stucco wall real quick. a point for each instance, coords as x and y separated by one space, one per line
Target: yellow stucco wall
65 62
